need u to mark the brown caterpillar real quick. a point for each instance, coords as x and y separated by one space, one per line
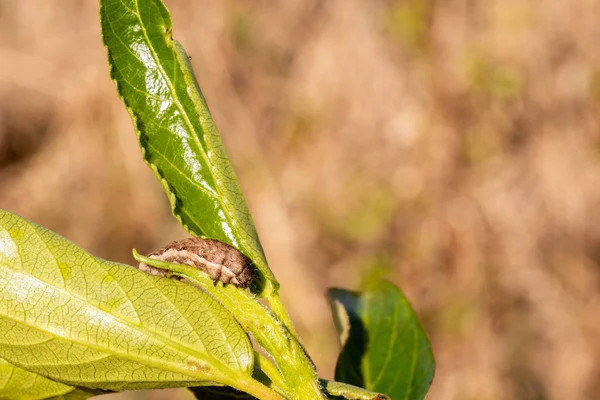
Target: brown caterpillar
219 260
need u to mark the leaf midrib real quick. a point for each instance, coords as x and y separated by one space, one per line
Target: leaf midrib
176 100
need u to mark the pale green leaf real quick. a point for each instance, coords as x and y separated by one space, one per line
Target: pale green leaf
87 322
289 368
18 384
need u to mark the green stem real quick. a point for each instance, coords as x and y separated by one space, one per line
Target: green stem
346 391
252 387
299 376
267 367
281 312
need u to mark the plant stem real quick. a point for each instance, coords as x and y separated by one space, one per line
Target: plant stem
267 367
300 379
281 312
253 387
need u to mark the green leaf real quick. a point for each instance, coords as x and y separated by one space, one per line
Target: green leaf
18 384
344 391
384 346
87 322
177 134
289 369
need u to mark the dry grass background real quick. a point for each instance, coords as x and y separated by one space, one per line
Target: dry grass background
454 144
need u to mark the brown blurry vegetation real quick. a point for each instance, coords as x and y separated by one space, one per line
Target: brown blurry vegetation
452 146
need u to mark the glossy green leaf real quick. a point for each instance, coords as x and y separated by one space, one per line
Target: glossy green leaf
384 346
177 134
92 323
18 384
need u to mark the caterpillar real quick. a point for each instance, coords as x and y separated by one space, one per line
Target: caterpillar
219 260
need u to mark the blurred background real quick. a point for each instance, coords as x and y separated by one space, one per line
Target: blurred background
452 146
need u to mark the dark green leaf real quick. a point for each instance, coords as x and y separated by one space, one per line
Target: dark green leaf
176 131
98 324
384 346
